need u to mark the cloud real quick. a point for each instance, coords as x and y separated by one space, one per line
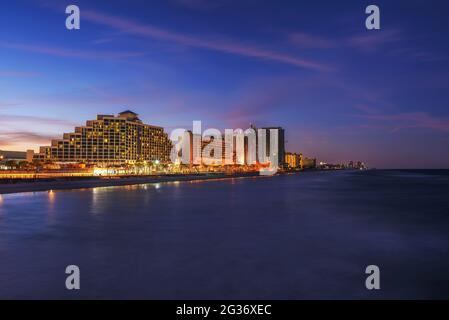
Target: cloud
393 42
25 136
397 122
367 41
5 118
417 54
65 53
102 40
201 4
259 102
219 45
253 107
17 74
21 140
366 108
371 41
309 41
8 105
17 136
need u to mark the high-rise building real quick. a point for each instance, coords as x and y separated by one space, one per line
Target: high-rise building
281 143
196 145
110 140
238 148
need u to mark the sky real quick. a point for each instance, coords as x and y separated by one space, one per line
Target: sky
342 92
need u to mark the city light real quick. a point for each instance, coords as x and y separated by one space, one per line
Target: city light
133 148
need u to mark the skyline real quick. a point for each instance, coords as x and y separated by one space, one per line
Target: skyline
341 92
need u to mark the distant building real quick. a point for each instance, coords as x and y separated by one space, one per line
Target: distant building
13 155
307 163
356 165
293 160
331 166
110 140
9 159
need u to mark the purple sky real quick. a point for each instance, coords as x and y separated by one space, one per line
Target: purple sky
342 92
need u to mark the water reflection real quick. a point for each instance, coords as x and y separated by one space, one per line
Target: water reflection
98 203
51 196
51 211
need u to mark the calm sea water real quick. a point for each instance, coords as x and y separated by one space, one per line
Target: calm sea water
287 237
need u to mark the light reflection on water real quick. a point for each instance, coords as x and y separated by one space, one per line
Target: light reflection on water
287 237
51 196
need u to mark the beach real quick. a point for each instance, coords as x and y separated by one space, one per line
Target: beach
16 186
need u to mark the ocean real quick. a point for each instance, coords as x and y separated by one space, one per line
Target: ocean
302 236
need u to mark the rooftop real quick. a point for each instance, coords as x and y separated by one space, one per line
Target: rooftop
129 115
128 112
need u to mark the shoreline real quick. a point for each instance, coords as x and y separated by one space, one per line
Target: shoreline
73 183
95 182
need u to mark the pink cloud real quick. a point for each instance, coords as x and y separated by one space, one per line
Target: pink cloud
8 104
371 41
392 41
309 41
418 54
396 122
6 118
25 136
220 45
366 108
60 52
367 41
22 140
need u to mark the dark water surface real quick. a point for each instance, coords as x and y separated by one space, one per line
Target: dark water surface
287 237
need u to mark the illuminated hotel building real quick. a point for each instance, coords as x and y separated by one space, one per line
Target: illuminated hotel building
293 160
111 140
280 142
227 147
195 143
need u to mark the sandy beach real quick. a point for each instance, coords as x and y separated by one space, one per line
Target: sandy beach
93 182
